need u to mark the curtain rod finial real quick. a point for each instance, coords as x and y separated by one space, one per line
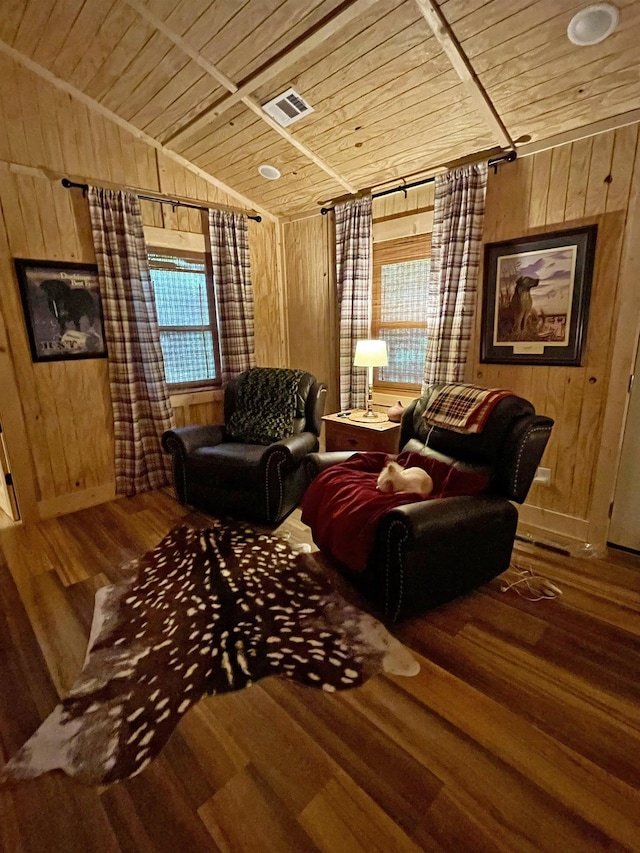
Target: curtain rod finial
68 185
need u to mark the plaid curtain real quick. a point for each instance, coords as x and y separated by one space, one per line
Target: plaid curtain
455 262
353 278
234 291
141 408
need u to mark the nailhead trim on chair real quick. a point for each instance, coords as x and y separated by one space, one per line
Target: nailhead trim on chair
528 433
388 566
176 451
280 459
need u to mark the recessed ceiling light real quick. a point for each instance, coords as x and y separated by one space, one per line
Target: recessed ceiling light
269 172
593 24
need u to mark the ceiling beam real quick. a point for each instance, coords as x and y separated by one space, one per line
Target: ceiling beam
183 44
242 94
308 43
97 107
463 68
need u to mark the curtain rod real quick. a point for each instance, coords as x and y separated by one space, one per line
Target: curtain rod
495 162
173 202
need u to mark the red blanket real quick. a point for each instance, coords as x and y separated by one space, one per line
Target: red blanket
342 505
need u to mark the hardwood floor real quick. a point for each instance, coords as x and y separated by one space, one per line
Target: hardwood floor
521 732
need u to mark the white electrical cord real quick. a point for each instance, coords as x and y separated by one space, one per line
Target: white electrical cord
530 586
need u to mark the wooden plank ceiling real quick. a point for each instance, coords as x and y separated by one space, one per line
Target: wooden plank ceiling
394 94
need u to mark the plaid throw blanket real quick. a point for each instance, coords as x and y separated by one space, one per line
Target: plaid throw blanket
463 408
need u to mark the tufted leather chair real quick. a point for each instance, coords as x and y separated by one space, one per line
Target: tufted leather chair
261 483
429 552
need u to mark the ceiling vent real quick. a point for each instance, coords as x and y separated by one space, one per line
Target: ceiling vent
287 107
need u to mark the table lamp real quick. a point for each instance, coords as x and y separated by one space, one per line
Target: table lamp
370 354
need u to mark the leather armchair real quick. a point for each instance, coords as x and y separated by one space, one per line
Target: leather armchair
226 476
430 552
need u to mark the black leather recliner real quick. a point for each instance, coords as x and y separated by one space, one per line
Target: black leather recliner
225 476
430 552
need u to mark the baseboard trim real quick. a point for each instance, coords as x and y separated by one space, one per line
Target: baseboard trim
554 522
64 504
557 531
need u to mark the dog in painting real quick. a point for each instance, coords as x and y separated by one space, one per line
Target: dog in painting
521 305
398 480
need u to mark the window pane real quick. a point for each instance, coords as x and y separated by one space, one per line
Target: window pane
404 291
182 291
407 349
188 356
180 287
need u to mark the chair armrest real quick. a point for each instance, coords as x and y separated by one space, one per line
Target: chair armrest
317 462
432 551
469 513
297 446
185 439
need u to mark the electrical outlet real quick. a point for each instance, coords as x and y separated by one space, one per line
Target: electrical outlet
543 476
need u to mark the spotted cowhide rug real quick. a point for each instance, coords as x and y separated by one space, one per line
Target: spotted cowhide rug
207 611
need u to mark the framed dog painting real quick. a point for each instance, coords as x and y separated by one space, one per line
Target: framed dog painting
62 309
536 298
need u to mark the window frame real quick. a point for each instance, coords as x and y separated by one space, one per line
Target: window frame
194 256
413 248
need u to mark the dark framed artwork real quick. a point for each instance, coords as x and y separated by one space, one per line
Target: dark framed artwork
62 309
536 298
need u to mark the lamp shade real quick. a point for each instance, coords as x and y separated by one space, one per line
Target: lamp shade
371 353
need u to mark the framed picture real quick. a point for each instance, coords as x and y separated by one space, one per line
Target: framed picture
62 309
536 298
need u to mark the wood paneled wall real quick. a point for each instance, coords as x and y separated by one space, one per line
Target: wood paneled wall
57 416
393 209
596 180
311 300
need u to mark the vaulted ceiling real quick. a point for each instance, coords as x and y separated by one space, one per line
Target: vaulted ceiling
398 87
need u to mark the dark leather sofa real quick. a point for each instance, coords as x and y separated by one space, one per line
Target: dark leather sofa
256 482
430 552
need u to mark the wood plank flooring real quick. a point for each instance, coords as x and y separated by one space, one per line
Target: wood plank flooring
521 732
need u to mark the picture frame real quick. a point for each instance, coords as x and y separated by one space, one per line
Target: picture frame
535 304
62 309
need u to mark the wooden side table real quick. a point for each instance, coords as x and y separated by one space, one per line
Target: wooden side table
343 434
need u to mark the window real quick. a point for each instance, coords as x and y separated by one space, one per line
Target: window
399 310
183 288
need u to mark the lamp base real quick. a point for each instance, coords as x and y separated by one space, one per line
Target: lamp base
368 417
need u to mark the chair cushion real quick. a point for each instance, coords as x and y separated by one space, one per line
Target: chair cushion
266 405
233 465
